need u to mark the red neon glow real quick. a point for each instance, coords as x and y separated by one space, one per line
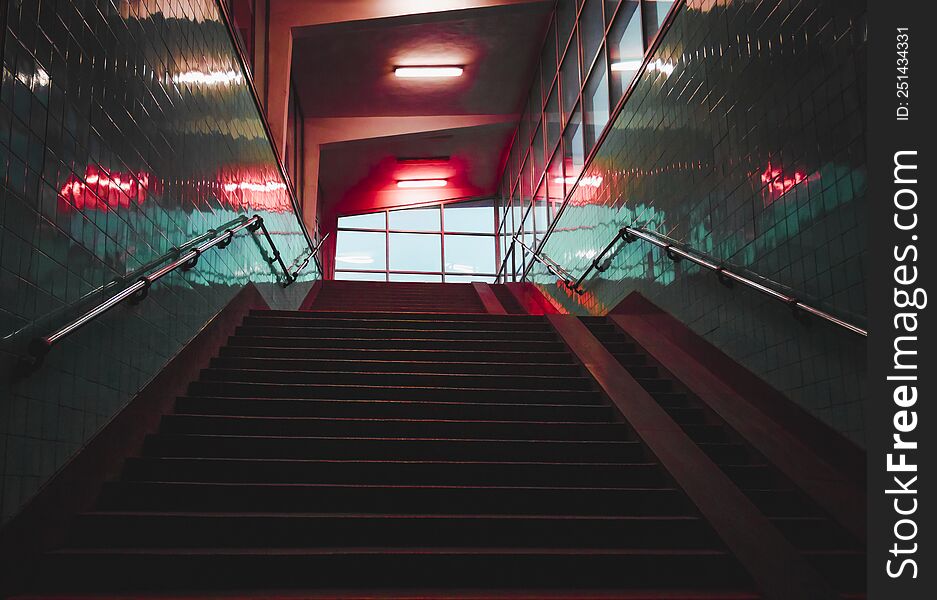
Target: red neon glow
254 189
105 190
780 183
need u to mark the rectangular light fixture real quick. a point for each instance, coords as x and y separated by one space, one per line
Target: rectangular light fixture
422 183
426 72
626 65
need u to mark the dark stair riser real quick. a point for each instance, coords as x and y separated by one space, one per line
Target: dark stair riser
358 392
348 324
401 307
166 530
526 359
418 570
316 315
390 448
385 472
397 334
462 345
391 409
314 427
400 379
175 497
398 366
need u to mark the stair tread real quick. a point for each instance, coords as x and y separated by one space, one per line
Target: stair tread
355 486
399 462
413 516
407 438
406 387
520 423
386 361
468 551
393 401
402 373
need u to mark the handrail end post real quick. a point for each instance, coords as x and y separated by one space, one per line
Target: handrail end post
36 352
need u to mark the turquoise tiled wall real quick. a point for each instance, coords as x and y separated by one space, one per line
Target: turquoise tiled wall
126 127
747 141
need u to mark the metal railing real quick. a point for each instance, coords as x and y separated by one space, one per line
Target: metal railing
726 276
313 254
551 265
185 258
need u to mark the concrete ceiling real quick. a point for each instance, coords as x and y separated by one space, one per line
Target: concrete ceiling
363 173
347 69
362 118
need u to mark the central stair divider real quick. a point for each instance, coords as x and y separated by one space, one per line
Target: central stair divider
778 569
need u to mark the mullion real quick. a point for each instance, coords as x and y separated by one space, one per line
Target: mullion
575 32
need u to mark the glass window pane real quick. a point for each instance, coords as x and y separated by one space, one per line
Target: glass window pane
536 149
610 7
595 104
518 212
514 163
529 227
548 66
566 20
591 30
416 278
352 276
573 149
467 254
552 117
415 219
415 252
569 81
625 48
556 184
535 102
654 14
526 188
523 134
369 221
472 217
360 250
540 209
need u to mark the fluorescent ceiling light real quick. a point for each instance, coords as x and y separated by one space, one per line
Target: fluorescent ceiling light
627 65
422 183
427 72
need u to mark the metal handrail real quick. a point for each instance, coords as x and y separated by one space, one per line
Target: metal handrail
314 253
244 63
136 292
549 263
726 276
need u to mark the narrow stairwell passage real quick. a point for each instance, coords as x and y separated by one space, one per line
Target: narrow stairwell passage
835 553
372 451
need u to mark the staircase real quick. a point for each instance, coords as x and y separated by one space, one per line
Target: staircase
375 451
835 553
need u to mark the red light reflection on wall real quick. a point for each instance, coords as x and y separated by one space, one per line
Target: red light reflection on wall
254 189
780 183
104 190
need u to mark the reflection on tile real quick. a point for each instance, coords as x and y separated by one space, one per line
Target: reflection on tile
126 128
748 144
